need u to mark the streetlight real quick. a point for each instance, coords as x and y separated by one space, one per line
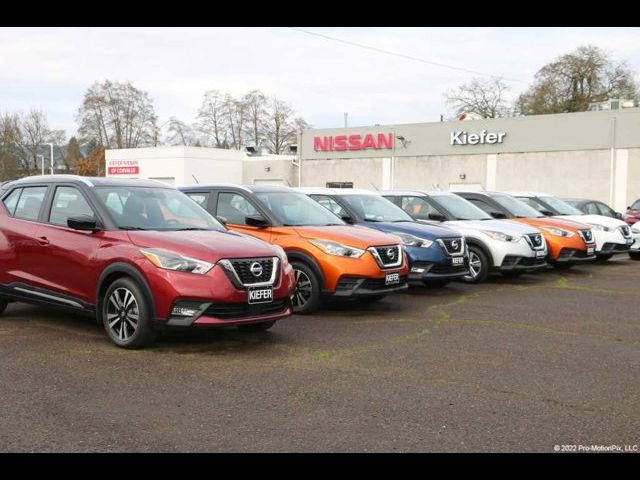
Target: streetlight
50 146
41 161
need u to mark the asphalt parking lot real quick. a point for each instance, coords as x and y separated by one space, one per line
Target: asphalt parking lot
511 365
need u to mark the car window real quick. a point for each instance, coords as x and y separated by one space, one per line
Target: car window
330 204
636 205
11 200
605 210
482 205
115 201
234 207
592 209
532 203
30 203
200 198
418 207
68 202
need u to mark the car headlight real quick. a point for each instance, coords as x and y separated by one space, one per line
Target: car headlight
409 240
174 261
597 226
337 249
560 232
500 236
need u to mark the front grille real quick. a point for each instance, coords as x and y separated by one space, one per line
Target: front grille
389 256
586 235
232 311
453 246
244 270
536 240
626 231
380 283
449 269
511 260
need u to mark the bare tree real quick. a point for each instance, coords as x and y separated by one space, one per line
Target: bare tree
35 133
256 106
485 98
281 126
573 81
12 155
211 119
235 112
117 115
180 133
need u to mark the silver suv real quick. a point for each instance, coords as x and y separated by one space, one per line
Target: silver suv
494 245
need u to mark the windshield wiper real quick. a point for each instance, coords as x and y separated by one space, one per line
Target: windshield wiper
188 229
129 227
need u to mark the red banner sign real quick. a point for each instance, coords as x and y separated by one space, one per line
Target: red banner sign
124 170
382 141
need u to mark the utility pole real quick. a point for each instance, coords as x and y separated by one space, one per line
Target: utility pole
346 115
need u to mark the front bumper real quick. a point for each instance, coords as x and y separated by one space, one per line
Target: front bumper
610 242
569 255
503 253
421 271
512 263
352 287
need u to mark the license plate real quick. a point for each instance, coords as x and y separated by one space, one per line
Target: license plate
457 260
392 279
540 253
261 295
590 250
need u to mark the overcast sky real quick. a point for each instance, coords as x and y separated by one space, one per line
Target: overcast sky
51 68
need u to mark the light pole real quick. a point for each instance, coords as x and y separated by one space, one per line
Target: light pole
51 150
41 161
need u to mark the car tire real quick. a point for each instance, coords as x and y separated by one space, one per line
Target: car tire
604 258
478 266
3 306
126 315
257 327
435 283
634 255
307 296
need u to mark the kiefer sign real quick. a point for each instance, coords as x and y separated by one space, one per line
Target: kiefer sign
337 143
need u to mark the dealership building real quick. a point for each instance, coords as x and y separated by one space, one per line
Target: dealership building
593 154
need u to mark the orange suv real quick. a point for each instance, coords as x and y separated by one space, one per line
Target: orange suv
568 242
330 258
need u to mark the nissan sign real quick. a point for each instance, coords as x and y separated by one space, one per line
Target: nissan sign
337 143
484 137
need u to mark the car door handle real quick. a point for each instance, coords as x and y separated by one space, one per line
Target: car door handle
43 241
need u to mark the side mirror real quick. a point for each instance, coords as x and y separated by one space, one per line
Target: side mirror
438 217
548 213
498 215
348 219
256 221
221 219
618 215
85 223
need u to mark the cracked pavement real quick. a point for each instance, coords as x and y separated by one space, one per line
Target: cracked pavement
510 365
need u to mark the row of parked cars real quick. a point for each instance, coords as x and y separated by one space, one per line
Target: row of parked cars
140 256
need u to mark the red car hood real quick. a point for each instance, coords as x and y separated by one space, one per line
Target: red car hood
210 246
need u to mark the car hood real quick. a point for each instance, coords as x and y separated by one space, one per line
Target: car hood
612 223
352 235
555 222
421 230
504 226
210 246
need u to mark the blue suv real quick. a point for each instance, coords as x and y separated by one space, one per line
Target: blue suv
436 254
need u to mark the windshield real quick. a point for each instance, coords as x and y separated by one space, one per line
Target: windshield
560 206
516 207
165 209
296 209
460 208
373 208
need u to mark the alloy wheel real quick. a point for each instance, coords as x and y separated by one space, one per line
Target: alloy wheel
123 313
303 291
475 265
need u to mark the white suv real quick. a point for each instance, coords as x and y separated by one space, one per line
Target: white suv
612 236
509 247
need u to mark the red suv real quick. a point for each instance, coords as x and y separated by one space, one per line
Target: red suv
136 255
